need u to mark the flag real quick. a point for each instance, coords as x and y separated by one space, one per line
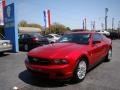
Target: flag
3 4
44 13
49 20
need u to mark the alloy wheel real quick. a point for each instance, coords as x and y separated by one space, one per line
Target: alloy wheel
110 54
81 70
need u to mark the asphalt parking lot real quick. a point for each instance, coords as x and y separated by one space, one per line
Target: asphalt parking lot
105 76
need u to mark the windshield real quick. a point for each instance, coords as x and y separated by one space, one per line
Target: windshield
36 34
81 38
57 35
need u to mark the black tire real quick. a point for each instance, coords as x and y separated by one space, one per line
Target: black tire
1 53
79 75
108 57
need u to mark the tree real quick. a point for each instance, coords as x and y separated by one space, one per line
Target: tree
34 25
54 28
23 23
57 28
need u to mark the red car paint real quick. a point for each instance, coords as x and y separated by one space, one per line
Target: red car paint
70 52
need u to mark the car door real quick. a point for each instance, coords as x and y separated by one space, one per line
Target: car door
97 48
21 40
105 46
101 45
24 39
50 38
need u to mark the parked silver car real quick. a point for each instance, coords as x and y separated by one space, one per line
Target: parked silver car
5 45
53 37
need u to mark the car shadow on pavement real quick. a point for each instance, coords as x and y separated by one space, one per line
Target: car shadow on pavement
26 77
40 82
3 54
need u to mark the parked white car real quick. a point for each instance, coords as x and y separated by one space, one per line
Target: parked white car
53 37
5 45
103 32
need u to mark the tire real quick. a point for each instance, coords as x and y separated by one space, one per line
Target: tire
109 55
1 53
26 47
80 71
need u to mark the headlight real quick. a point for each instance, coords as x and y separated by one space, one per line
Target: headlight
60 61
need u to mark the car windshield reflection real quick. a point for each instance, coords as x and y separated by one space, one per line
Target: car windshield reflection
80 38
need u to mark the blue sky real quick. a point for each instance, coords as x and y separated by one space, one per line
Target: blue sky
69 12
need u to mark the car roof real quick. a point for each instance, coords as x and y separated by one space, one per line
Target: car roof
52 34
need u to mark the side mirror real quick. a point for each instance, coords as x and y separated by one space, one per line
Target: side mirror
95 42
52 42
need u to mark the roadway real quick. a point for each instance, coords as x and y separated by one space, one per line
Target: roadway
105 76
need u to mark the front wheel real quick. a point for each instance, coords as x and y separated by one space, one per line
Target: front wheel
1 53
80 71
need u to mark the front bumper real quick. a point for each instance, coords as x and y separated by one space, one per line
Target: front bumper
51 71
4 48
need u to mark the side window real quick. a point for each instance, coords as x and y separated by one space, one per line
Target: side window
97 37
20 36
26 36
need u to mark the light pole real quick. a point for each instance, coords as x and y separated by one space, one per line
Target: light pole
102 26
106 16
84 24
93 25
118 25
101 19
112 24
118 29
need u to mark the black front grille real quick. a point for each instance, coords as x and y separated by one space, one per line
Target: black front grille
39 61
39 73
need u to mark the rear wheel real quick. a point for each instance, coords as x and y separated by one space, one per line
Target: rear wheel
26 47
80 71
109 55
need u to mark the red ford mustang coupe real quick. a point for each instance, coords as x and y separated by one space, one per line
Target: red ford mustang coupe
70 57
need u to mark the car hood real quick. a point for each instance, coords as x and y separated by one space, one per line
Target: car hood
56 50
4 41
